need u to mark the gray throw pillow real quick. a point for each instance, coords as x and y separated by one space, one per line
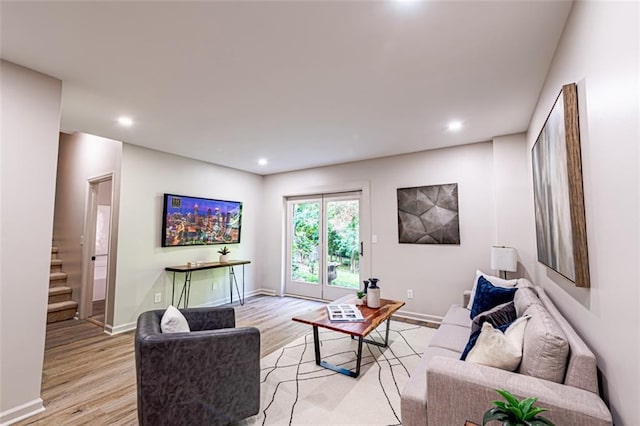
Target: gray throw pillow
525 297
496 316
545 349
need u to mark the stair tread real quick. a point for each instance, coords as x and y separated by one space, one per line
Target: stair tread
68 304
54 249
56 261
57 275
61 289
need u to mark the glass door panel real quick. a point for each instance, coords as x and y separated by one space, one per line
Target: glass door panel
323 246
304 248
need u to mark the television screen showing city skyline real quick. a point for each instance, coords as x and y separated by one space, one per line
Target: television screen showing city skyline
189 221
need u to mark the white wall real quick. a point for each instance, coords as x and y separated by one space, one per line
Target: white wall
30 125
599 51
82 157
437 273
514 200
146 176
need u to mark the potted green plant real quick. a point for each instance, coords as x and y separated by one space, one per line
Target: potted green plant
224 254
514 412
360 298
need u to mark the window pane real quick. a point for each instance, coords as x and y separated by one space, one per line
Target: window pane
304 245
343 243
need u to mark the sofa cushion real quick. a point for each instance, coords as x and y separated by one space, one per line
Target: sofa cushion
457 315
173 321
523 282
581 364
452 337
497 281
545 348
524 298
488 296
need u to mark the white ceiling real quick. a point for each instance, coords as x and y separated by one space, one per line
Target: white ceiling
301 83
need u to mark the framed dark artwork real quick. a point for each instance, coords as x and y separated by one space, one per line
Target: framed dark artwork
561 233
188 221
429 214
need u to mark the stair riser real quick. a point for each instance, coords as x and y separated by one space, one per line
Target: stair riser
60 298
56 283
62 315
55 268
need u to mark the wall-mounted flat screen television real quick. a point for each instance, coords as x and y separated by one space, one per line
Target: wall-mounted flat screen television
190 221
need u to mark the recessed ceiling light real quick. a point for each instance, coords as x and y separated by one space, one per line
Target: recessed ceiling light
125 121
454 126
263 161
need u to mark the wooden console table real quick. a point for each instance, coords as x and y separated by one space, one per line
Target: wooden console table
188 270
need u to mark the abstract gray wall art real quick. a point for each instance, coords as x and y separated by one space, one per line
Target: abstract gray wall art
558 194
429 214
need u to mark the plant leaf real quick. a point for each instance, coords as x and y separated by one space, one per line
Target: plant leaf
526 404
540 421
534 412
512 400
494 414
500 404
515 413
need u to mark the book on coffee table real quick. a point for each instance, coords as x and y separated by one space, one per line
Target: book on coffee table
343 312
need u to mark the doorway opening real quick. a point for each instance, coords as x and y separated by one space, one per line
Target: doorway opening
96 253
325 252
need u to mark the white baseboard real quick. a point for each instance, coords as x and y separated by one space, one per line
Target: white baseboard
110 330
418 316
132 325
226 300
21 412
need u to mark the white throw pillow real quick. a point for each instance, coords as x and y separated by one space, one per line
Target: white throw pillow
497 281
173 321
495 349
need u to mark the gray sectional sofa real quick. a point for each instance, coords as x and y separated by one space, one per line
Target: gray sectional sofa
562 373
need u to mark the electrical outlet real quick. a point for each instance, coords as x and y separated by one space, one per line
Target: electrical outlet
409 294
157 298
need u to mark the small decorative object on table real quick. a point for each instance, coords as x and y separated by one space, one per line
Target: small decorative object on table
515 413
373 294
224 254
360 298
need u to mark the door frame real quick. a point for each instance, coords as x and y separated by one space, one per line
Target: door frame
89 246
366 260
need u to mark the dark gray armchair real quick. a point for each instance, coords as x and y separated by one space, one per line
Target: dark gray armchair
208 376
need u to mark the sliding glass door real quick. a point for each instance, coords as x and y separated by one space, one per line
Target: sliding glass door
324 249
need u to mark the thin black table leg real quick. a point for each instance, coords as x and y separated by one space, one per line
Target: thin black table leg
231 283
337 369
359 357
386 337
188 283
173 288
242 303
316 344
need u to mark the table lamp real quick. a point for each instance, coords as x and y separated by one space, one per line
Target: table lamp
504 259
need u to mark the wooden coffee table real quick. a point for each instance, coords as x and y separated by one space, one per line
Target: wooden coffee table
372 319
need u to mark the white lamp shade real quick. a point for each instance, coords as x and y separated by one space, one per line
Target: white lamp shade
504 259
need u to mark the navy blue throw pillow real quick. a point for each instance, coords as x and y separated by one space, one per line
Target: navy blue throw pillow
488 296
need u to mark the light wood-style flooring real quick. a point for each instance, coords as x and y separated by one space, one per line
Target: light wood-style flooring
89 377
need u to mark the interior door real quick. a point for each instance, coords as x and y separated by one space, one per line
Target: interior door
324 247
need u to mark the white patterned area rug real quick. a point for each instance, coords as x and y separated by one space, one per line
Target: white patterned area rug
295 391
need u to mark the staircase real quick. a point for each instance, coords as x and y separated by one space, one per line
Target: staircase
60 306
